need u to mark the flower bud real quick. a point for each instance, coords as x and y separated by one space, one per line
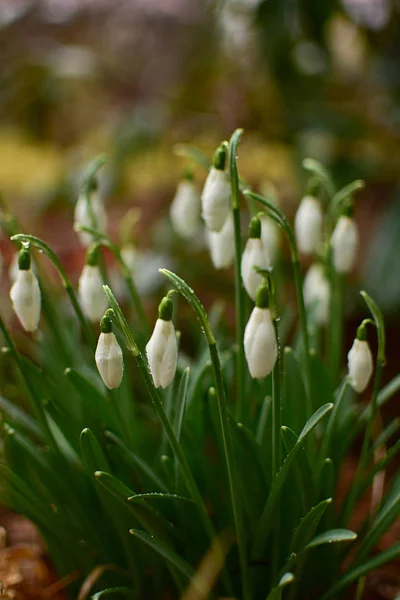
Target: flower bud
90 288
216 195
108 356
308 225
95 216
344 244
270 239
222 244
259 337
253 256
317 293
25 294
162 348
185 208
360 363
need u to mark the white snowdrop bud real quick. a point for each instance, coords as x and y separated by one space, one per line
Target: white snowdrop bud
253 256
317 293
25 294
270 239
360 362
109 358
13 269
162 348
260 345
95 216
90 288
222 244
344 244
308 225
185 208
215 198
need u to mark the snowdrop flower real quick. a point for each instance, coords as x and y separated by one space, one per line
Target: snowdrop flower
253 256
222 244
25 294
95 216
185 208
317 293
90 287
344 244
259 337
308 225
162 349
360 362
216 195
13 269
270 238
108 356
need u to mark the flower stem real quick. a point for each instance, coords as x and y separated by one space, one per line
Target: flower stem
31 239
336 325
239 291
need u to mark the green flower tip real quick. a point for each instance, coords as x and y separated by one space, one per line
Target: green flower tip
165 309
24 260
348 210
92 255
262 296
362 332
106 324
255 227
187 174
219 159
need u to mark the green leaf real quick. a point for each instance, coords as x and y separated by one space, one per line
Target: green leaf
20 418
144 498
332 536
352 575
308 525
276 593
380 326
267 519
112 593
294 413
165 551
92 453
181 403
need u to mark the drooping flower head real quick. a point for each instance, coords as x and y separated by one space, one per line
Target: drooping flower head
89 212
90 287
344 241
108 356
253 256
308 225
360 361
222 244
216 195
260 344
162 348
185 207
25 293
317 293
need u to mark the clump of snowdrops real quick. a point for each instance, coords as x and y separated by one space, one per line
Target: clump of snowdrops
154 474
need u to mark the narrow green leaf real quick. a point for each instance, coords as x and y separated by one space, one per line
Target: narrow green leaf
181 403
332 536
308 525
20 418
92 453
276 593
158 496
113 593
165 551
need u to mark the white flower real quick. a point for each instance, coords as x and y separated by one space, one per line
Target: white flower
26 299
129 255
109 360
185 209
308 225
344 244
260 343
222 244
13 269
162 353
215 199
91 293
83 216
270 238
317 293
253 256
360 363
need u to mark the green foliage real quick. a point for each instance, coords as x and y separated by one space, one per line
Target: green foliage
157 483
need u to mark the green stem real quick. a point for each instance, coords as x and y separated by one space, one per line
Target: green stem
276 411
336 324
239 291
31 239
197 307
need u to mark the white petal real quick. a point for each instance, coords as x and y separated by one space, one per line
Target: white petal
253 256
185 209
317 293
162 353
26 299
345 244
109 360
308 225
222 244
83 217
215 199
260 343
91 293
360 363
